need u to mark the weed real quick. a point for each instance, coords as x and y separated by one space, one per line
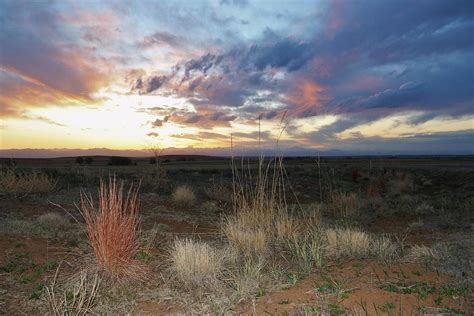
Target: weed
421 289
387 307
335 309
334 288
306 250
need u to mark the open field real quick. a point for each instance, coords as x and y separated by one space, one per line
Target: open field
309 236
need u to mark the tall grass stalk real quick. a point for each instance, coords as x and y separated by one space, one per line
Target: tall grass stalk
259 204
113 227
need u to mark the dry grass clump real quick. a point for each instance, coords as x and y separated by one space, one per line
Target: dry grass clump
384 249
76 299
184 195
424 209
348 242
195 263
250 241
401 183
22 183
429 255
306 250
343 204
260 211
248 277
113 227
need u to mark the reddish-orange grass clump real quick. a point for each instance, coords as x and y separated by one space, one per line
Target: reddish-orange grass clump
113 227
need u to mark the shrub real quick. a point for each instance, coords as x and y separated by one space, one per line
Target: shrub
343 204
184 195
347 242
377 186
120 161
195 263
424 209
401 183
88 160
113 228
22 183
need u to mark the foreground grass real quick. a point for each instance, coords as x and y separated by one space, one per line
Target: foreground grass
264 244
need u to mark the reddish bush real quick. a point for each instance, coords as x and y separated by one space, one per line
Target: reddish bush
113 227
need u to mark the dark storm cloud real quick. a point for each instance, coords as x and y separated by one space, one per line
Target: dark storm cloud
421 56
364 61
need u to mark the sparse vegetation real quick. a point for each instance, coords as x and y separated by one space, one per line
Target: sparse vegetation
20 183
77 298
261 228
184 195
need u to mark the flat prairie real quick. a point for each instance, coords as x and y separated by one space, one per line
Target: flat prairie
241 236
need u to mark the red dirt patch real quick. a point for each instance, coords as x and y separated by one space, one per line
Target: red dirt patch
362 280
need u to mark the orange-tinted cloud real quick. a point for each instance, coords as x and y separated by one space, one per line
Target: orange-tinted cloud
335 19
39 64
306 96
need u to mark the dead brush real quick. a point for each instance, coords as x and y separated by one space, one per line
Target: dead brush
401 182
24 183
79 298
113 228
343 204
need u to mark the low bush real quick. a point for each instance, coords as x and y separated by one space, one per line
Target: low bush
342 204
25 183
184 195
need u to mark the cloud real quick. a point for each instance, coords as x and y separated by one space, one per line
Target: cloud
38 68
239 3
308 77
159 122
160 39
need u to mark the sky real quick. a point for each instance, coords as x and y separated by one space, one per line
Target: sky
307 77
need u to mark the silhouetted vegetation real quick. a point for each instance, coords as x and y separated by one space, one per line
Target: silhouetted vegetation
119 161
